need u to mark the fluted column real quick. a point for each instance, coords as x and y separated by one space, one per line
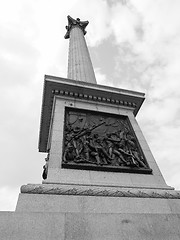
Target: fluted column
79 62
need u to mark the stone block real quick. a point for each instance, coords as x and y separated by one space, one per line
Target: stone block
101 178
86 105
59 105
139 135
31 226
95 204
174 205
144 145
53 175
107 109
57 135
55 161
109 178
148 155
58 122
94 226
122 226
69 176
160 180
56 147
155 168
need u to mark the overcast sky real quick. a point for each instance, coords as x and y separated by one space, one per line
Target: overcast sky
134 44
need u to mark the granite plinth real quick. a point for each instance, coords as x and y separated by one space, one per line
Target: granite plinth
91 226
93 199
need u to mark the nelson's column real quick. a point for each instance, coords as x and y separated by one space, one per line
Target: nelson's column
101 180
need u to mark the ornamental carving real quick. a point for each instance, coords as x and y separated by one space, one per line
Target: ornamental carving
58 189
100 141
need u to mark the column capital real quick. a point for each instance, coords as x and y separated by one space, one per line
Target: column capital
73 23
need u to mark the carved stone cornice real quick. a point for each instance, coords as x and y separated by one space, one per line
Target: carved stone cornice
58 189
93 98
82 90
75 23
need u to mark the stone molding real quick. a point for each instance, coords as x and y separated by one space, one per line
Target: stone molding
79 190
93 98
87 92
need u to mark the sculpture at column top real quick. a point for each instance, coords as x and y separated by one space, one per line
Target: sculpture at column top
80 67
72 23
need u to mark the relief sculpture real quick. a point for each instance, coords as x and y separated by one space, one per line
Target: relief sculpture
100 140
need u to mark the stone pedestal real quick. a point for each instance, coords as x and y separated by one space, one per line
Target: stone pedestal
100 200
60 94
80 226
55 211
93 204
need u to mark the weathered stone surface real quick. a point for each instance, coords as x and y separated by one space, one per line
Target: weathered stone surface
80 226
31 226
69 200
122 226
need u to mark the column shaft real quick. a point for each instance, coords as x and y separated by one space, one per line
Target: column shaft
79 63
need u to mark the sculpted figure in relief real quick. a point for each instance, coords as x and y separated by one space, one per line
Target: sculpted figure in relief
100 140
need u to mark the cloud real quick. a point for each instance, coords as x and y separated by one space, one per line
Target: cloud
125 23
100 77
97 13
8 198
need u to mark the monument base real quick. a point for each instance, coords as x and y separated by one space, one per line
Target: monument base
94 226
57 211
96 199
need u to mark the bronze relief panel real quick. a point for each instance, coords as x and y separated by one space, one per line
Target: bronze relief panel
102 142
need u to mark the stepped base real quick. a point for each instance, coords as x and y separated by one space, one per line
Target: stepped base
96 199
57 211
83 226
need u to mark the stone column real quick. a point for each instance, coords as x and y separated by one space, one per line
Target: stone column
79 62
